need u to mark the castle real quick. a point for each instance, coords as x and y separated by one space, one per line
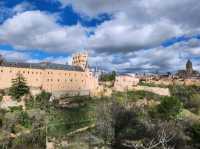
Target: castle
51 77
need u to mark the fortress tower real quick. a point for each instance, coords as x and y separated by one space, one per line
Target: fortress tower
80 59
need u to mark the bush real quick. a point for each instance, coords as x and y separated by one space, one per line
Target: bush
24 120
195 134
169 107
194 103
42 100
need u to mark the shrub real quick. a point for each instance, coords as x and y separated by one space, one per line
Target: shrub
24 120
169 107
194 103
42 100
195 134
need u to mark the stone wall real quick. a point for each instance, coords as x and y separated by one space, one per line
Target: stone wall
156 90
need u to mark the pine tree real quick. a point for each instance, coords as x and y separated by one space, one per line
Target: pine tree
19 87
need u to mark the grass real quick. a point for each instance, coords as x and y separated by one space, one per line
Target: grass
65 120
135 95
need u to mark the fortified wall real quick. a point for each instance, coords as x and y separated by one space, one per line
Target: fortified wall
49 76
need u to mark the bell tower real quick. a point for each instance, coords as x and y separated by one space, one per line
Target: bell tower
189 69
1 59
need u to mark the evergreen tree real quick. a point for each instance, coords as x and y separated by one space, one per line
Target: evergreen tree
19 87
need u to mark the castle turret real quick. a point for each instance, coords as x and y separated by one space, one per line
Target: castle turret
80 59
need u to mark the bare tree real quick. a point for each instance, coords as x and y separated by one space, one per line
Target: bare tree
104 122
164 135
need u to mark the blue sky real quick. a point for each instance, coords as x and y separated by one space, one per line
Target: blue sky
122 35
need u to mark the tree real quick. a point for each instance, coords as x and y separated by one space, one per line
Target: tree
169 107
115 123
19 87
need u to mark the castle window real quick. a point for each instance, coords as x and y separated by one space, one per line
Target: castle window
10 71
23 71
58 80
32 72
1 70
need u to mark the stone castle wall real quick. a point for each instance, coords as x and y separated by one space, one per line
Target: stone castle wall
49 79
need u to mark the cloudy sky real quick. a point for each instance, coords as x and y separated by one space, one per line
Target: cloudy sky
123 35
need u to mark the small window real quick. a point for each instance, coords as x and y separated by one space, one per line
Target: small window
1 70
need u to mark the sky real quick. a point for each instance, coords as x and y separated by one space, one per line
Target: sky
121 35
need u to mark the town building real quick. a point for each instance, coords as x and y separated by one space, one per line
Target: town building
51 77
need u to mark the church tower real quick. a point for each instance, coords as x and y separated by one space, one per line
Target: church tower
1 59
189 69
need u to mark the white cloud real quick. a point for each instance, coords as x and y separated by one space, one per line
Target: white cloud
39 30
14 55
120 35
161 58
118 43
24 6
27 57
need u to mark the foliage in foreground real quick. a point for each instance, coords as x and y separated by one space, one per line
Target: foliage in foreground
124 128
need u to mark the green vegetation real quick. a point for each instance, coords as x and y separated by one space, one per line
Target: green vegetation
1 97
122 121
19 87
108 77
142 83
135 95
169 107
195 133
188 95
65 120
